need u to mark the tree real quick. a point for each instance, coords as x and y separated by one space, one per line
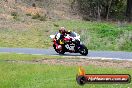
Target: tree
104 9
108 10
129 10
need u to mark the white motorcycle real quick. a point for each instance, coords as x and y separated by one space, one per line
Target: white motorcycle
71 44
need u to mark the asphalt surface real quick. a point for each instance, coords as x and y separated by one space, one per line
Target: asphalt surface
119 55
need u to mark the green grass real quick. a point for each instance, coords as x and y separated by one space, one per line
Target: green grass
29 75
14 56
96 36
102 36
24 38
14 75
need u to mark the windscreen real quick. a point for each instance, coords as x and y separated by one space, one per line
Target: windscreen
72 34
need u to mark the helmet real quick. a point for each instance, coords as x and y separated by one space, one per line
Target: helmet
62 30
69 31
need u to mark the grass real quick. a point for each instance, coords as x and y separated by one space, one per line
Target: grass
14 56
24 38
95 35
102 36
14 75
20 29
28 75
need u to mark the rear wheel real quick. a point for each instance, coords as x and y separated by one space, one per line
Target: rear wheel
83 50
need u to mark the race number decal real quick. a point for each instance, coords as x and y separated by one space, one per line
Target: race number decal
69 47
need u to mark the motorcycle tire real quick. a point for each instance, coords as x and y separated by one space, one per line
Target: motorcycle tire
59 51
83 50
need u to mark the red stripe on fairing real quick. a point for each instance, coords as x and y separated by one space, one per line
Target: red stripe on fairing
66 39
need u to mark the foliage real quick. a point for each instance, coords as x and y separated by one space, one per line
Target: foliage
95 9
95 35
42 18
15 16
39 17
101 36
36 16
28 14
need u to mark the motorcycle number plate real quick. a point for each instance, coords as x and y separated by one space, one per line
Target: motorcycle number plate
70 47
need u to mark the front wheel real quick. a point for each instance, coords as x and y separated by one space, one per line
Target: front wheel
59 51
83 50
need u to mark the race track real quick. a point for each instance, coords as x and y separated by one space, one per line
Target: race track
105 54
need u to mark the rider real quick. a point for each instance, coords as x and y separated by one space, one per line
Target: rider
61 35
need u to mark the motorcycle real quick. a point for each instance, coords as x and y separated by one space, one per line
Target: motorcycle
71 44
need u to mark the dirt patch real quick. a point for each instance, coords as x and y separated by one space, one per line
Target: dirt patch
80 62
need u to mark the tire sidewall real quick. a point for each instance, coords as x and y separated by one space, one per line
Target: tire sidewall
60 52
82 46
